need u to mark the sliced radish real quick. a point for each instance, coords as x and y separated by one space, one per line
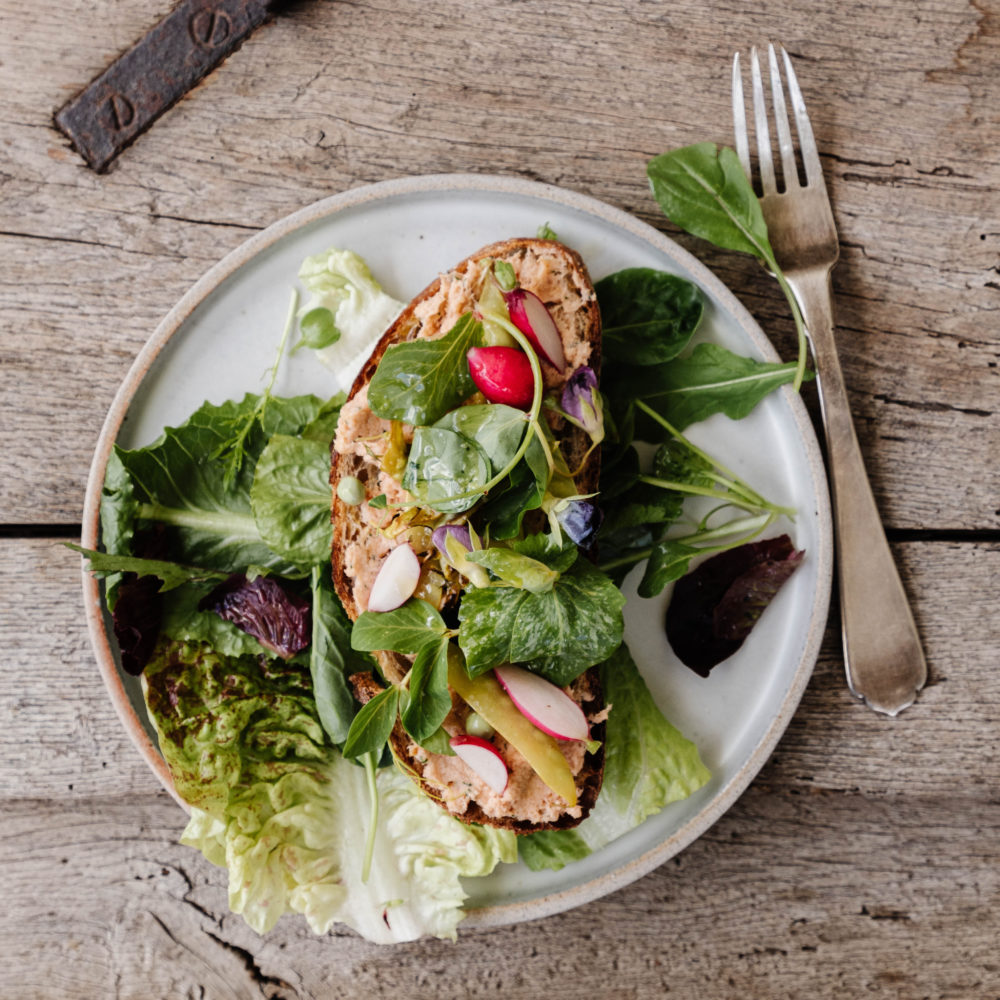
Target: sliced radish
503 375
396 581
483 758
544 704
529 314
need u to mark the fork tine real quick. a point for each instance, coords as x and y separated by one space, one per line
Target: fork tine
767 181
810 155
788 168
740 118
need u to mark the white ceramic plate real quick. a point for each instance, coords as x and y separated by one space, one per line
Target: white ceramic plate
219 340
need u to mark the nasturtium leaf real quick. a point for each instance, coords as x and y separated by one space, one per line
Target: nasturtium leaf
407 629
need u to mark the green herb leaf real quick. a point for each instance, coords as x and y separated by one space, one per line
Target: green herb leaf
419 381
497 429
523 490
407 629
318 329
444 465
331 658
291 497
558 634
371 727
515 569
430 700
703 189
710 380
170 574
545 232
552 849
668 561
647 316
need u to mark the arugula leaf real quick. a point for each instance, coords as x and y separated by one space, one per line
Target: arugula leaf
419 381
710 380
371 727
445 465
170 574
430 700
290 499
647 316
407 629
558 634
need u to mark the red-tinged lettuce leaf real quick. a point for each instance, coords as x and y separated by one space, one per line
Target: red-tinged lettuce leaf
278 620
136 620
714 608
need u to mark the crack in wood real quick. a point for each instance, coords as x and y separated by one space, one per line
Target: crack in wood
250 962
206 222
930 406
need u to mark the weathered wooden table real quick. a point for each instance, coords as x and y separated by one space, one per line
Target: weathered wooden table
865 858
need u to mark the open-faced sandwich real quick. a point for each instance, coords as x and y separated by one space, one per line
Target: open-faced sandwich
461 470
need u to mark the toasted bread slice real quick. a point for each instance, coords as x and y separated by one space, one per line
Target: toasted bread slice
558 276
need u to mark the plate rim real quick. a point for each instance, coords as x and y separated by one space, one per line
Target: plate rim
443 183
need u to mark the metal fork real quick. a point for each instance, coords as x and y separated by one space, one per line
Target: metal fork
882 653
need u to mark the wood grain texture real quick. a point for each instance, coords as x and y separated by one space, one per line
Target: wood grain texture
864 859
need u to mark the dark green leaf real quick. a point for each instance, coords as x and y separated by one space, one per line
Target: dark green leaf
710 380
331 658
523 491
372 725
430 700
558 634
496 428
647 316
444 464
407 629
291 498
419 381
703 189
556 555
668 561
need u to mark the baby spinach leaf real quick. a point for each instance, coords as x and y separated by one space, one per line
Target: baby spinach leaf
558 634
444 464
553 849
419 381
710 380
647 316
371 727
430 700
523 491
407 629
317 329
668 561
703 189
331 658
497 429
290 499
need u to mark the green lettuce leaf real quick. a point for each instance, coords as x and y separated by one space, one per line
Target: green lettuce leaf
281 809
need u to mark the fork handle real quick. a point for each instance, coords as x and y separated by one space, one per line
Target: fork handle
882 652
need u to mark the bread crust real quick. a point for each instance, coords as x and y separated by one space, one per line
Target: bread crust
575 445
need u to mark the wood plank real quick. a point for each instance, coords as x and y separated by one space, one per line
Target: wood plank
331 96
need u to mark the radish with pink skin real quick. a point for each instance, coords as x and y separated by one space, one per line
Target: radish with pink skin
530 315
543 704
503 375
482 757
396 581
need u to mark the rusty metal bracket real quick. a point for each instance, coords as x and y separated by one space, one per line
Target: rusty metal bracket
122 102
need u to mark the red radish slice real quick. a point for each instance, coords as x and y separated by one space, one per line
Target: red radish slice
503 375
529 314
544 704
396 581
483 758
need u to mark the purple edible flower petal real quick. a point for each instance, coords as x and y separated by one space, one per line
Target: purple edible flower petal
581 520
581 402
460 532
